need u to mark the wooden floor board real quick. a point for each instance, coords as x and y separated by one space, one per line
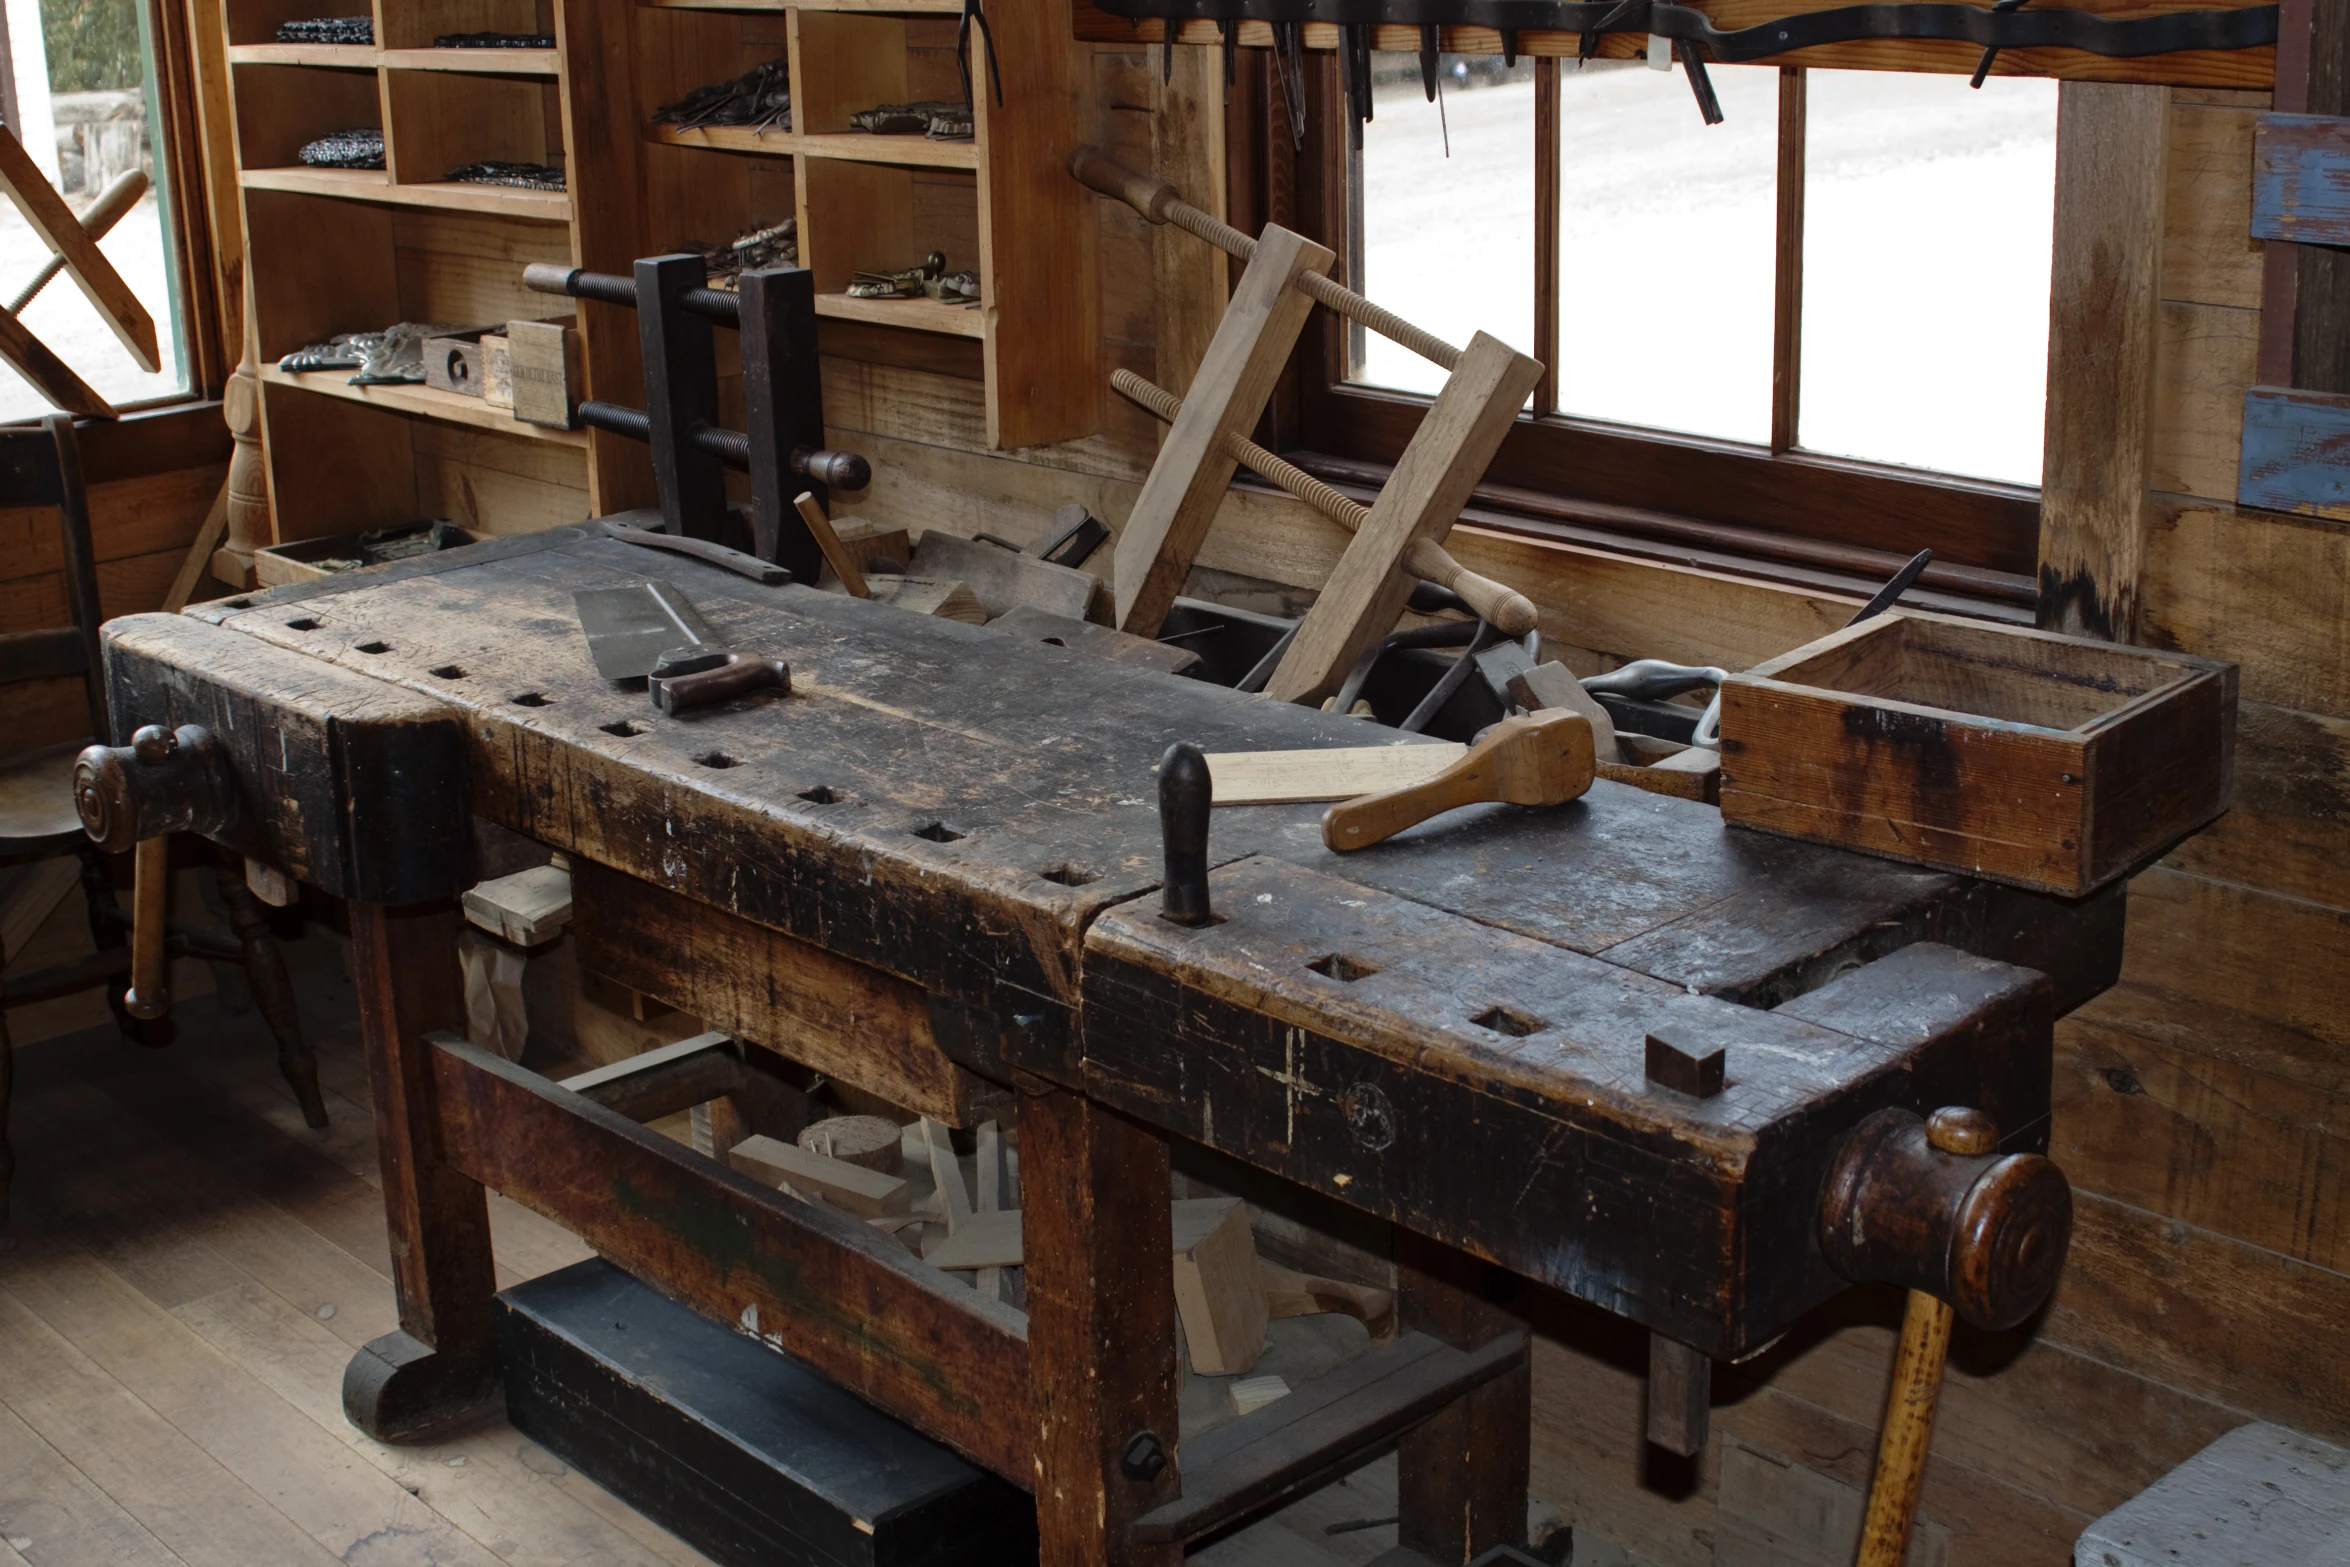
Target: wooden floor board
348 1507
53 1510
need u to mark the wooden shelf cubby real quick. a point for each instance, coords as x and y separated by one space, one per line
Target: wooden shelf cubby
353 250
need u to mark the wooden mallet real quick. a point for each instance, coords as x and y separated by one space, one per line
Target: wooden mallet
1534 759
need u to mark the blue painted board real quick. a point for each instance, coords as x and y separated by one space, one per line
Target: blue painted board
2296 450
2301 179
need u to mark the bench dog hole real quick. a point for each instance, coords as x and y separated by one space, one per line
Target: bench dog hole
533 699
371 647
626 728
449 672
1069 875
939 832
1340 967
306 623
1510 1021
718 759
822 794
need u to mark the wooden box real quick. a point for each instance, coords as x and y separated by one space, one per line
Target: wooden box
2045 761
543 371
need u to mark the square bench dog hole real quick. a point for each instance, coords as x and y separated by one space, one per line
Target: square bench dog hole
625 728
1067 875
939 832
371 646
1509 1021
717 759
1340 967
533 699
822 794
449 672
303 623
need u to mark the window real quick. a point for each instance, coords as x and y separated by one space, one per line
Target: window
77 83
1824 318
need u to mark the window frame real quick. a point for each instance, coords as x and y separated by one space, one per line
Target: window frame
1653 484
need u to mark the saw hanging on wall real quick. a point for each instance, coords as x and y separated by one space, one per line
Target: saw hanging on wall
1690 33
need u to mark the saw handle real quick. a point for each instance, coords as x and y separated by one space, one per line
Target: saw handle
1540 758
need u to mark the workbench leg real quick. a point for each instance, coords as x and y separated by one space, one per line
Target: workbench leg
441 1368
1101 1329
1461 1477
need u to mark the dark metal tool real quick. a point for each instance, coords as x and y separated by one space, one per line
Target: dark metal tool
766 573
630 629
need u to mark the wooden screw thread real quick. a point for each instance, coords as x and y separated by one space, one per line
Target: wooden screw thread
1909 1430
150 992
1509 611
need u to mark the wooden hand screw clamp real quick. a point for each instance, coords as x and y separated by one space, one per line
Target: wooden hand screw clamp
1540 758
1287 275
1509 611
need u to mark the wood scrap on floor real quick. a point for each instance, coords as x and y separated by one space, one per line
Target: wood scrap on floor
1219 1293
872 1141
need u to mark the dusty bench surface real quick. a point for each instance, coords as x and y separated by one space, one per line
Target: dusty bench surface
975 814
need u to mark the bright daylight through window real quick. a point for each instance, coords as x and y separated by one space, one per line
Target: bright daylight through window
77 86
1924 221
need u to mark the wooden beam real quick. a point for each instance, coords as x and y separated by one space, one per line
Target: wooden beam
814 1282
1430 485
47 214
1179 500
2112 167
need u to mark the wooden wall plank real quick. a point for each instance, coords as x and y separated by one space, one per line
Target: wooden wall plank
2206 360
2288 831
2269 591
2104 286
127 517
2208 254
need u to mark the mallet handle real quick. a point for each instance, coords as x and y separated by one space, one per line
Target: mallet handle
1161 202
1507 610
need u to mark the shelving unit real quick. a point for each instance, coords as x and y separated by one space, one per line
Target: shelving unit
347 250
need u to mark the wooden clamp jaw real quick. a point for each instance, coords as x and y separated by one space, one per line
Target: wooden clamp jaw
137 795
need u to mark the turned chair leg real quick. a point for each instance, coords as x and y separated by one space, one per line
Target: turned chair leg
106 931
265 971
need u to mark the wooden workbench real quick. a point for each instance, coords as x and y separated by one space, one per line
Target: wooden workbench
925 873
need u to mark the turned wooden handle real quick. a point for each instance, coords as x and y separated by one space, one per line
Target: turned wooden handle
1504 608
1540 758
1917 1374
836 554
1096 170
150 992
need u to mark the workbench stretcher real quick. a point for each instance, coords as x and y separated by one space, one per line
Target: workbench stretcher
928 873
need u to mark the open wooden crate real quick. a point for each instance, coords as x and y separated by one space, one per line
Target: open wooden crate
2047 761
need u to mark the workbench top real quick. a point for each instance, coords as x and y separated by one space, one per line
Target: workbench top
977 814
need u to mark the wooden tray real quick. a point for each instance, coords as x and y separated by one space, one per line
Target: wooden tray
2046 761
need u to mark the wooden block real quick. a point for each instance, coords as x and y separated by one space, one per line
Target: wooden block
871 1141
543 357
946 1173
1179 500
1341 773
665 1079
497 371
1289 1293
2301 179
495 1017
1553 684
1250 1394
981 1240
2293 452
453 362
869 1194
1680 1395
2050 762
528 908
869 543
923 596
1003 581
1084 636
1218 1289
1431 483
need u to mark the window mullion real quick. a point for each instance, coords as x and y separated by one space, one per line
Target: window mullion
1546 232
1787 318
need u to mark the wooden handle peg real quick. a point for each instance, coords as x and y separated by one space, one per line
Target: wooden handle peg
836 554
1097 171
150 992
1540 758
1917 1377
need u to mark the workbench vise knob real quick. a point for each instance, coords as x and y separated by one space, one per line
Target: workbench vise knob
164 781
1932 1205
1185 795
839 470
